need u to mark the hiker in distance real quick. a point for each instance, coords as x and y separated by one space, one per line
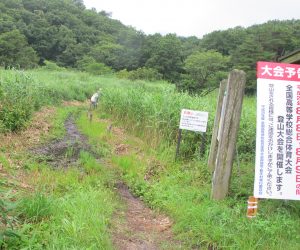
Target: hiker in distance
94 99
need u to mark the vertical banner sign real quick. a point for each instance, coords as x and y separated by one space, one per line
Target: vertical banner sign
277 166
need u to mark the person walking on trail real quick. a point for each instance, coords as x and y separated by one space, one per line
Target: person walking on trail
94 99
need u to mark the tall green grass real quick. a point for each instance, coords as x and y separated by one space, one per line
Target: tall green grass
151 110
23 92
184 193
154 113
71 209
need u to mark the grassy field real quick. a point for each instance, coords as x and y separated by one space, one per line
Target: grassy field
46 216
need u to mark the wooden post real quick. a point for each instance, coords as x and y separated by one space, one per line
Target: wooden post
203 144
178 143
90 115
214 141
228 137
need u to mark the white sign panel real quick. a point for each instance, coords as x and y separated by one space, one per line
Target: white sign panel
277 167
193 120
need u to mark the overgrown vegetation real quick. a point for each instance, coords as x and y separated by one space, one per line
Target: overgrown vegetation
22 93
56 208
153 112
148 109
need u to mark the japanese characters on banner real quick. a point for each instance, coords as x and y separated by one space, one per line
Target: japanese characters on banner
193 120
277 167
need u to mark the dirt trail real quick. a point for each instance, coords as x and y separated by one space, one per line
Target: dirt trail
135 228
142 228
64 152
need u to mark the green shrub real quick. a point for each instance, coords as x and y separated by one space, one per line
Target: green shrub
123 74
90 65
52 66
98 69
17 102
143 73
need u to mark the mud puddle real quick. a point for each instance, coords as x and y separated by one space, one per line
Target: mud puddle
64 152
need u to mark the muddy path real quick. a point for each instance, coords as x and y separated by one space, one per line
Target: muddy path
64 152
135 227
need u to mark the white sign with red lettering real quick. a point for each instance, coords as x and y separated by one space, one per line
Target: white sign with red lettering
277 166
193 120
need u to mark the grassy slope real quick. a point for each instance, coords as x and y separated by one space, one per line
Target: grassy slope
61 208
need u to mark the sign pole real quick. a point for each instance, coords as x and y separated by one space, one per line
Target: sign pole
192 120
203 144
178 143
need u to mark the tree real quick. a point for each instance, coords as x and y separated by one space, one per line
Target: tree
72 54
7 23
64 31
90 65
132 41
274 36
166 57
224 41
109 54
203 67
15 51
39 33
245 58
189 45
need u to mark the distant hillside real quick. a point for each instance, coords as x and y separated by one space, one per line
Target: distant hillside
65 32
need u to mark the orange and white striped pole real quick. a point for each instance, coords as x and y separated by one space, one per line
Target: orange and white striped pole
252 207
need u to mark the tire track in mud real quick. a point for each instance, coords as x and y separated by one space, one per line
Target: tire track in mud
135 228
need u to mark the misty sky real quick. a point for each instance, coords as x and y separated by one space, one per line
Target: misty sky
195 17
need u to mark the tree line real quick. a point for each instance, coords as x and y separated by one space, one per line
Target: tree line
33 32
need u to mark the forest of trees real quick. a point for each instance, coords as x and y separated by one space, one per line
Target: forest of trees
33 32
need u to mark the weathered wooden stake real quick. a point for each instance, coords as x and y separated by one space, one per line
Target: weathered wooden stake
203 144
90 116
228 137
214 141
178 143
